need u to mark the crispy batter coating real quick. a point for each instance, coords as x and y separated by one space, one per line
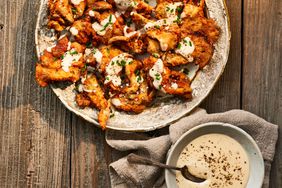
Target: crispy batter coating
134 102
78 10
50 67
85 31
203 51
200 26
174 59
61 13
167 38
114 67
173 82
46 75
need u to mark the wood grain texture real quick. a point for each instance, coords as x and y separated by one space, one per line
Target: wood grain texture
35 130
226 94
42 144
262 68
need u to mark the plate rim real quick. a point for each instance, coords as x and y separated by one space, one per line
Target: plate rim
140 129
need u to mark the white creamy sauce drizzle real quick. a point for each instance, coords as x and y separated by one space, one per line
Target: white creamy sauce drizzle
123 5
105 25
156 73
174 85
171 8
218 158
74 31
76 2
82 87
69 58
130 34
116 102
185 48
96 54
115 67
91 13
49 49
139 79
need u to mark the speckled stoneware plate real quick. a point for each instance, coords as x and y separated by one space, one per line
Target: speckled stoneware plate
164 110
253 152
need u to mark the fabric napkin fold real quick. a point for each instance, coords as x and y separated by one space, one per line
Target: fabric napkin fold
125 175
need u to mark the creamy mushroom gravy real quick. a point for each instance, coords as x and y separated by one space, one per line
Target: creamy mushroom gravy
218 158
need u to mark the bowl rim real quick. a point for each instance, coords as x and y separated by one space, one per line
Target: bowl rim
187 133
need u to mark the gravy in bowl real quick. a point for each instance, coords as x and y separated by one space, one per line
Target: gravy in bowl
218 158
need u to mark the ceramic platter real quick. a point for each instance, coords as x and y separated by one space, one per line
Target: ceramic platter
164 110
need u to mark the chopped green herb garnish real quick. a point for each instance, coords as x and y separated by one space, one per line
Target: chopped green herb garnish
107 78
137 72
190 43
88 45
74 11
55 59
167 9
160 87
130 62
128 22
83 69
178 46
155 55
94 51
185 41
73 52
179 9
112 115
157 26
123 63
62 57
178 19
107 24
171 11
157 76
139 79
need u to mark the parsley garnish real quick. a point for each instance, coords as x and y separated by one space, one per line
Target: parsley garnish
83 69
74 10
107 24
190 43
88 45
123 63
158 76
155 55
178 46
139 79
73 52
157 26
137 72
179 9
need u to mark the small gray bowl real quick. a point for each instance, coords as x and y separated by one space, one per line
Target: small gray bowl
255 157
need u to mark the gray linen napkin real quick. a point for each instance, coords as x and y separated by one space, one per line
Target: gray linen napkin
125 175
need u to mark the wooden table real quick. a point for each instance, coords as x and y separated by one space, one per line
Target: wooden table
43 144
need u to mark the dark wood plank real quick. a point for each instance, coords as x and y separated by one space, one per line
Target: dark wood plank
226 94
262 69
35 128
90 155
